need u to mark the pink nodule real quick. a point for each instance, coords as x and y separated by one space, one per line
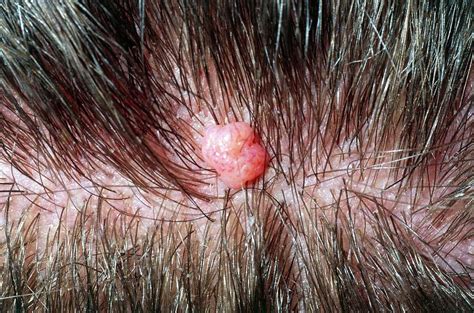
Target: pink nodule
235 152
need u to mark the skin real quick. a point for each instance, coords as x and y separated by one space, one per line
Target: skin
365 112
235 152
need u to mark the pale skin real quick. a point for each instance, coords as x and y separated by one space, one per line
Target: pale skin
208 156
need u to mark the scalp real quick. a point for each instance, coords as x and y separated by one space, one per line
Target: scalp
235 152
364 107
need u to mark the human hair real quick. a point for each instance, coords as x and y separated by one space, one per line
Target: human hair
365 108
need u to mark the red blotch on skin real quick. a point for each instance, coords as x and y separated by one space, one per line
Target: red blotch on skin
235 152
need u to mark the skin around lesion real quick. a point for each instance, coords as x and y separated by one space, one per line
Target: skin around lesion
365 111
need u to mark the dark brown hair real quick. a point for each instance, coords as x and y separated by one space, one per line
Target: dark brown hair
87 83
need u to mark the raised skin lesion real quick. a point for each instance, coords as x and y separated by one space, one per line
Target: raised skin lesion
342 215
235 152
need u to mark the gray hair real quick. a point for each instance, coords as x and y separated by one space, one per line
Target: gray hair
97 76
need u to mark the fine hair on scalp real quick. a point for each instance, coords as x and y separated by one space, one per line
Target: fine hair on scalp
88 83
